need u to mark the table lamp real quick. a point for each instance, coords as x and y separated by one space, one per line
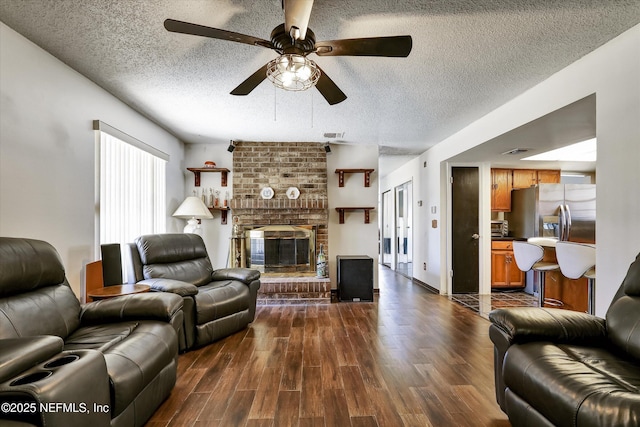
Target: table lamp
193 209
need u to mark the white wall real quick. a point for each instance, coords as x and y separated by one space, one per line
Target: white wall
354 237
47 156
215 235
612 73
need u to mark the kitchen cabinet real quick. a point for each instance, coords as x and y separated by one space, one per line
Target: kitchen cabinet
548 176
562 292
501 184
525 178
504 270
505 180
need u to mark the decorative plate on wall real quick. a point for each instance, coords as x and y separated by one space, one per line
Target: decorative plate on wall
266 193
293 192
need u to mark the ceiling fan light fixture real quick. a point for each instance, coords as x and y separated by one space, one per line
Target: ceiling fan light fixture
293 72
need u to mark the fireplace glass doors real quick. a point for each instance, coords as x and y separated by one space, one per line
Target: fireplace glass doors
281 248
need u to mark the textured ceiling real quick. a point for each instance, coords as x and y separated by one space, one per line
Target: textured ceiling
468 57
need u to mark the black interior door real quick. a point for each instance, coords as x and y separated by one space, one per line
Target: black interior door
465 248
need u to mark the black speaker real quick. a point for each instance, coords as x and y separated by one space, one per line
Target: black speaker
355 278
111 264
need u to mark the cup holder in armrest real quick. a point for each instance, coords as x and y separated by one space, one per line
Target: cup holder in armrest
31 378
62 361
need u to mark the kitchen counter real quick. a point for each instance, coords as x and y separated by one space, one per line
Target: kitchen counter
507 239
545 242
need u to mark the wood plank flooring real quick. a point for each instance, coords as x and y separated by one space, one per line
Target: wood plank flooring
411 358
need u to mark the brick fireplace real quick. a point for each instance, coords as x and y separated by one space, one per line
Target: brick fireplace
281 166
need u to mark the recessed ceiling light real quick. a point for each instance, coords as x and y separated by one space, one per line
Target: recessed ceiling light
584 151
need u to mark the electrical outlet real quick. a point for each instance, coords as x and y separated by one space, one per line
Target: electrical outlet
424 266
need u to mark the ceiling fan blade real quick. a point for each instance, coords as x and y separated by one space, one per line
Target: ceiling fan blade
251 83
394 46
296 14
214 33
329 90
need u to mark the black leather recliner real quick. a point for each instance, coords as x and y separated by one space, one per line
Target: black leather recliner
217 303
110 362
565 368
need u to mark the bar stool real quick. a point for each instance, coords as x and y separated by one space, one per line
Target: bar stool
529 257
579 260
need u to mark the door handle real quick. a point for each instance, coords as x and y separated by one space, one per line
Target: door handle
563 225
475 236
568 212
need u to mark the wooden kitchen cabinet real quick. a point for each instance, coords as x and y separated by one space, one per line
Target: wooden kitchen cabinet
524 178
548 176
562 292
504 270
505 180
501 185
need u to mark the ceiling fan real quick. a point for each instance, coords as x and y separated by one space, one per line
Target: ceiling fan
293 40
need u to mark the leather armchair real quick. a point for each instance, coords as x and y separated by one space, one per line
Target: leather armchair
110 362
565 368
216 303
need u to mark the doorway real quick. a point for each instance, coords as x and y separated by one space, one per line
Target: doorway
387 228
465 253
404 235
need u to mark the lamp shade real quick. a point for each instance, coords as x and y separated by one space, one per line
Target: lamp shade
192 207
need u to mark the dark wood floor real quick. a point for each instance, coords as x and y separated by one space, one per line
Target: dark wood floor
411 358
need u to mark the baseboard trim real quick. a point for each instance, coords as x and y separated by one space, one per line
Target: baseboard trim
426 286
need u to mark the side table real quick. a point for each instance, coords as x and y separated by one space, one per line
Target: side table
116 291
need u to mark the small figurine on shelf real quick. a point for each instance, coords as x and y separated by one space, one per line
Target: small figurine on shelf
216 199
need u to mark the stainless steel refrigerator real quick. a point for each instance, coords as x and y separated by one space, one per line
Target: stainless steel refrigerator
563 211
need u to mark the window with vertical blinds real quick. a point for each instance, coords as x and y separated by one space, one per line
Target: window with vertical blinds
132 187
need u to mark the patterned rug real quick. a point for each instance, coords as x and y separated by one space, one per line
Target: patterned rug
483 304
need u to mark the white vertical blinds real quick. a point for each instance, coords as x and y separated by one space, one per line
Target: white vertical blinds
132 191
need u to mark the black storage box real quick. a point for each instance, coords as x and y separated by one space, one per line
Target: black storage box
355 278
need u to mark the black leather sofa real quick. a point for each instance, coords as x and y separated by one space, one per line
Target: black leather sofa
106 363
217 303
556 367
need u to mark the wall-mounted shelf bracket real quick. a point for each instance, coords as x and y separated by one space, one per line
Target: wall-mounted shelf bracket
366 210
366 172
222 171
223 211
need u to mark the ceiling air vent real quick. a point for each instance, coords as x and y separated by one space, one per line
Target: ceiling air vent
333 134
516 151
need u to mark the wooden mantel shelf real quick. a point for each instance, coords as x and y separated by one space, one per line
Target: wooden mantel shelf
366 172
197 171
366 210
